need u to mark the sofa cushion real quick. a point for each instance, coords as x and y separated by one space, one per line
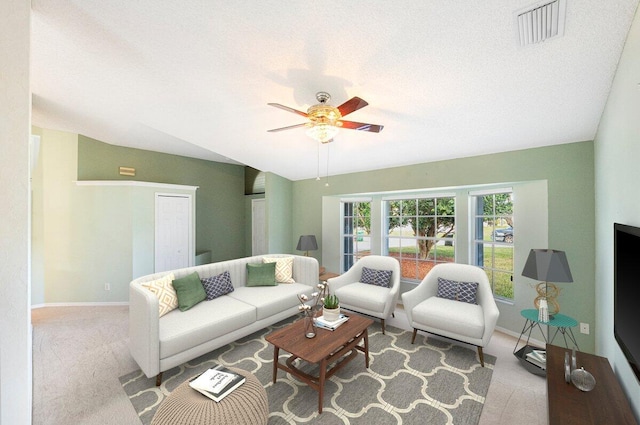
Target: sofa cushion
261 274
376 277
190 291
180 331
218 285
284 268
166 293
451 316
364 296
271 300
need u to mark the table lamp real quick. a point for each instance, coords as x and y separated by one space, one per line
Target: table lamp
307 243
547 265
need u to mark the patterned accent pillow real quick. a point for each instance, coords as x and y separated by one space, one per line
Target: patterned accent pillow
468 292
218 285
447 288
284 268
458 291
167 296
376 277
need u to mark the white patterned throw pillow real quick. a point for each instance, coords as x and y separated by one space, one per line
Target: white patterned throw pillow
284 268
166 293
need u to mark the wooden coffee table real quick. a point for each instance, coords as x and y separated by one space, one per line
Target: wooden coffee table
327 348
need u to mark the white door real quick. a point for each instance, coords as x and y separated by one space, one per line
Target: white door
258 227
174 241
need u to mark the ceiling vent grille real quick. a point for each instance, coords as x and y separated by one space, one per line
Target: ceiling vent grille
540 22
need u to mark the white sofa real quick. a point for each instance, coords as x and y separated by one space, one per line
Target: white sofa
160 343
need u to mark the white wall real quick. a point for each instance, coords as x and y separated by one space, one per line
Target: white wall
617 174
15 117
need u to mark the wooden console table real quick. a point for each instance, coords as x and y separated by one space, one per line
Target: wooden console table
605 404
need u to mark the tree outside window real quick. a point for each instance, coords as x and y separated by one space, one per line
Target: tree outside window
420 233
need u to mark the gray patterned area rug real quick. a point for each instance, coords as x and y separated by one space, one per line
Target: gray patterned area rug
433 381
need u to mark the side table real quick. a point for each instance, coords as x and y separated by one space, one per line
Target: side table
562 324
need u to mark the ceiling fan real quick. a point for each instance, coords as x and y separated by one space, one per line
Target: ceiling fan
325 120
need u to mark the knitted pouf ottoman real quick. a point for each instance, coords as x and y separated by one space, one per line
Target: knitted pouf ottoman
246 405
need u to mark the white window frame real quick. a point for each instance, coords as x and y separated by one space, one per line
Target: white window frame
474 242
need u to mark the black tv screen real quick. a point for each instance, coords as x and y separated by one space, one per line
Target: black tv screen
626 296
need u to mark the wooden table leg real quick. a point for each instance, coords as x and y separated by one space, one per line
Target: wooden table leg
366 348
276 352
321 379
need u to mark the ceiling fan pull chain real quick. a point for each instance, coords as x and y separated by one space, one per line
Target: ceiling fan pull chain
318 176
327 183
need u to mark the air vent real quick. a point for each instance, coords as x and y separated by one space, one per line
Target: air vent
540 22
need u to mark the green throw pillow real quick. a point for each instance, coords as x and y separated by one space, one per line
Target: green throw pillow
261 274
190 291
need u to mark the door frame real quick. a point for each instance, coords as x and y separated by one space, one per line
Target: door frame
192 239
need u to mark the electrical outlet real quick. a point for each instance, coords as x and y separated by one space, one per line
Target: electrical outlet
107 287
584 328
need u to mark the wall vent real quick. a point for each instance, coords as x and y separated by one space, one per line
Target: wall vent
540 21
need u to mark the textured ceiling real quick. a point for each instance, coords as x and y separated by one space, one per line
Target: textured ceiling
446 78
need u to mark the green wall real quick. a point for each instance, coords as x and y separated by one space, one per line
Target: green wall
617 152
220 222
278 198
569 175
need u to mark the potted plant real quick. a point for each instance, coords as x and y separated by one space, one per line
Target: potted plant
331 308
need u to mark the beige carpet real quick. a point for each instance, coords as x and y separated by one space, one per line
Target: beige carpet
430 382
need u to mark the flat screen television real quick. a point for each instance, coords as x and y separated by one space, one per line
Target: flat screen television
626 295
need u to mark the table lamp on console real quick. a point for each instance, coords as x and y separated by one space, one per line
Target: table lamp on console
547 265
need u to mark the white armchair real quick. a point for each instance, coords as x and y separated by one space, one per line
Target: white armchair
368 299
463 321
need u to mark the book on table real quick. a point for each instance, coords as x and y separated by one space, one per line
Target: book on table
216 382
323 323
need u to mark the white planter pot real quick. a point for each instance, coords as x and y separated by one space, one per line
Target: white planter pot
331 314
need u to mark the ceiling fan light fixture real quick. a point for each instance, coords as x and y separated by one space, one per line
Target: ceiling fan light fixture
323 133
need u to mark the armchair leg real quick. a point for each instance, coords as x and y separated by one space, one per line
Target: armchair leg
481 356
159 379
413 338
382 323
393 314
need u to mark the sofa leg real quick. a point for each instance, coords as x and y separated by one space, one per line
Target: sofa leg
413 338
481 356
393 314
382 323
159 379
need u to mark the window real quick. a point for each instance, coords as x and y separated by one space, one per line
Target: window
356 231
493 239
420 233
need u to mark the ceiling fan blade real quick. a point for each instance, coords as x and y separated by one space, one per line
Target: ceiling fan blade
286 108
352 125
287 128
351 105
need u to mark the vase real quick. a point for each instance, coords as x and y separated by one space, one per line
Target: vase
309 326
331 314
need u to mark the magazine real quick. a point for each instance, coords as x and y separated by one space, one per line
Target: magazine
536 359
216 382
321 322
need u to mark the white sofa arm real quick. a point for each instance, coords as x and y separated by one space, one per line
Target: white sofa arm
306 270
144 338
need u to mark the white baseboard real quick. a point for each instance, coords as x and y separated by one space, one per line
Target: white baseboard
522 340
80 304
